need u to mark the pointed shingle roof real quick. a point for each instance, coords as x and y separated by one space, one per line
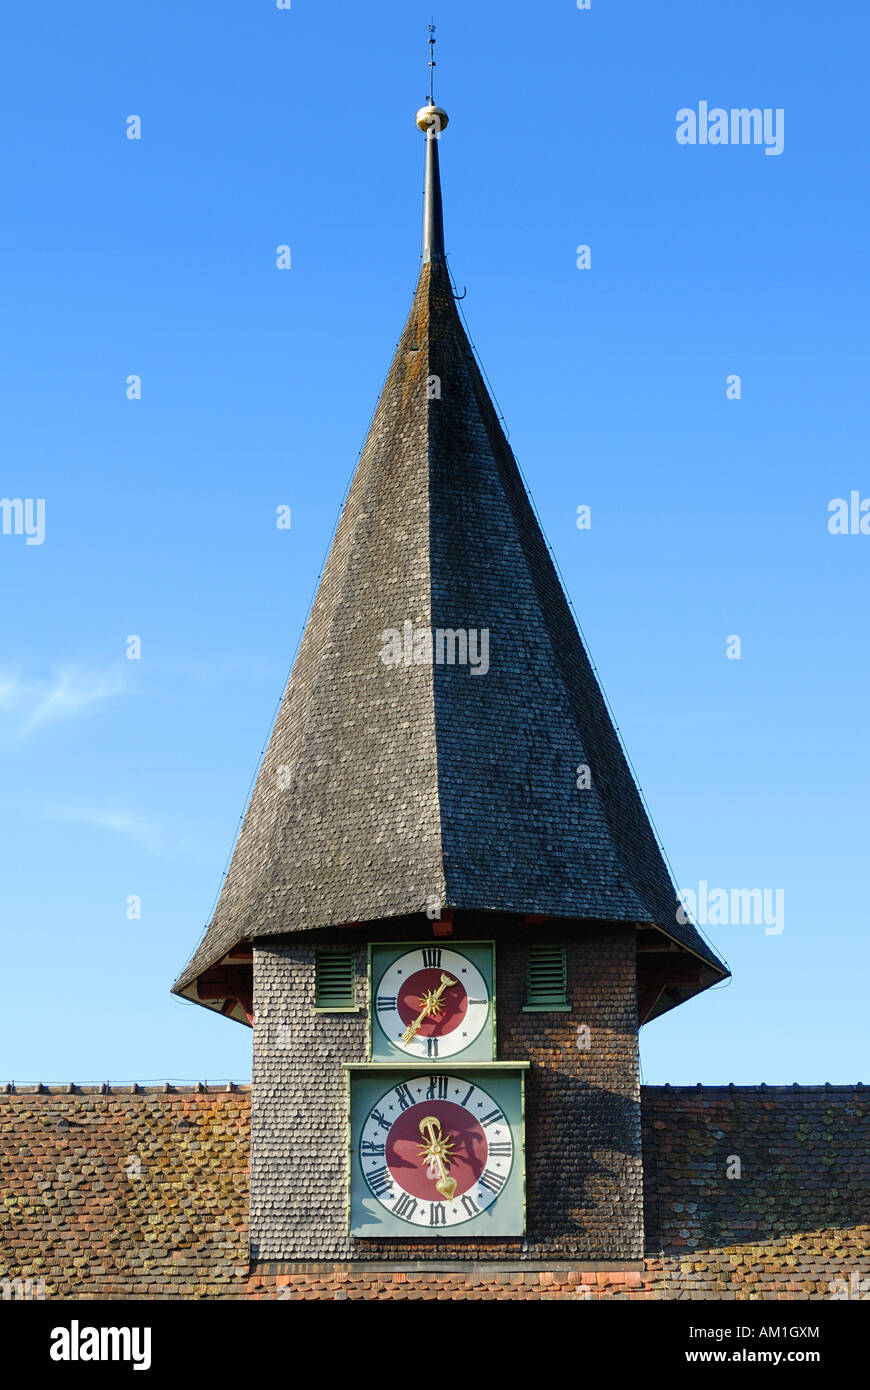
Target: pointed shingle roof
385 787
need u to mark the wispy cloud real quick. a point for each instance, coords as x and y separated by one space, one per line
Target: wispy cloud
118 821
64 695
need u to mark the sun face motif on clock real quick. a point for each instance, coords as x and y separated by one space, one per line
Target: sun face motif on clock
436 1151
432 1002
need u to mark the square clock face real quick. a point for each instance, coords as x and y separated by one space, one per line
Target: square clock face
432 1002
437 1153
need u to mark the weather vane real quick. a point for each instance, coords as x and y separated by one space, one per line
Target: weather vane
431 64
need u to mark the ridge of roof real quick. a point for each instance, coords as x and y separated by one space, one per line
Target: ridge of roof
108 1088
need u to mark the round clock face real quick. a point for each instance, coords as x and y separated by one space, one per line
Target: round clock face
436 1150
431 1003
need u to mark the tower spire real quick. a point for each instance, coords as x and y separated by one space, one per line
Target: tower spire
478 811
432 119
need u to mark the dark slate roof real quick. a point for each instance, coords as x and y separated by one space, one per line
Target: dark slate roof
805 1156
385 787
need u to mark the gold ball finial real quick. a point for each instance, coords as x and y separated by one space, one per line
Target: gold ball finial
432 118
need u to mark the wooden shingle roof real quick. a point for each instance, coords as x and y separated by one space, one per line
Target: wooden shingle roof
386 788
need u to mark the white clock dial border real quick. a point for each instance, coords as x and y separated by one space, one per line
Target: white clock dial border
448 1045
443 1213
386 1076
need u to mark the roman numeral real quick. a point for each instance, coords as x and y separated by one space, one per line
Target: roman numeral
432 957
431 1049
386 1005
381 1181
384 1123
491 1180
491 1118
373 1150
437 1214
404 1097
471 1207
468 1094
500 1150
437 1088
406 1206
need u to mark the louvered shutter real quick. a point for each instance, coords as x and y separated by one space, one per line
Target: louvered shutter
547 980
334 980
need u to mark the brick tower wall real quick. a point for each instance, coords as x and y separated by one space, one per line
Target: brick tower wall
584 1182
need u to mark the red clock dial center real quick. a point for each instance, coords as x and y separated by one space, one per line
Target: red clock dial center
452 1005
411 1170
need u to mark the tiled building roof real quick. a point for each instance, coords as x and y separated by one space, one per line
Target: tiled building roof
803 1163
118 1194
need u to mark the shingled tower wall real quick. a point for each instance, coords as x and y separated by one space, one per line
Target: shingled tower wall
584 1181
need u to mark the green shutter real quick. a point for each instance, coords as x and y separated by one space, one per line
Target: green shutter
547 980
334 980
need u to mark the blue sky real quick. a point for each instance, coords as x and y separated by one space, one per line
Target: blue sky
156 257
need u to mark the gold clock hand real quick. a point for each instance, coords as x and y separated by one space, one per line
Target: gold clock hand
431 1002
438 1150
445 1185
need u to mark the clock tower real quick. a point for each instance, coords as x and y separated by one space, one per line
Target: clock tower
447 914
